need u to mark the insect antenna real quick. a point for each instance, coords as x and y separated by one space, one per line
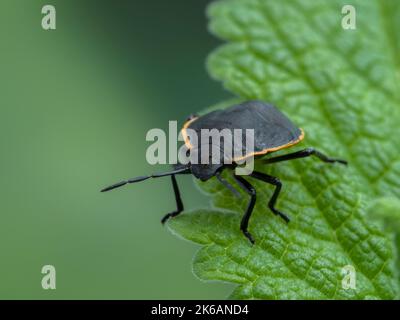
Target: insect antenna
142 178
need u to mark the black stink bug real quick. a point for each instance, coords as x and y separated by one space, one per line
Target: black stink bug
273 131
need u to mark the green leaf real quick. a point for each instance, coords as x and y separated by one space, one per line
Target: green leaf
343 88
386 212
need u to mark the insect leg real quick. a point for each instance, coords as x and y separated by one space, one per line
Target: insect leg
179 204
302 154
278 186
246 186
227 184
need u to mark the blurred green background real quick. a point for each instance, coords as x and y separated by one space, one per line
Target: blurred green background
76 104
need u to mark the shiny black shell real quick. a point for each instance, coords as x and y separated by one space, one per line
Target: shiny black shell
272 131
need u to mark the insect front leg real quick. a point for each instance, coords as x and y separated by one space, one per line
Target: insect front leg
179 204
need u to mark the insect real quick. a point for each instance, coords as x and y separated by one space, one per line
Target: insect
273 131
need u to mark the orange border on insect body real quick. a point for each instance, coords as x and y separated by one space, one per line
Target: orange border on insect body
256 153
184 134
